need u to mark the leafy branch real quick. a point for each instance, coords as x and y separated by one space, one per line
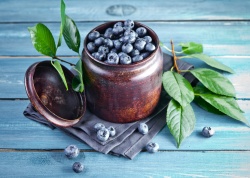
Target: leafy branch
215 93
43 41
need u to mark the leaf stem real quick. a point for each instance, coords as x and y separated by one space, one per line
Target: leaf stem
177 52
174 56
55 57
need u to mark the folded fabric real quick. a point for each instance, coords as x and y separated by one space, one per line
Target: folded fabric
127 142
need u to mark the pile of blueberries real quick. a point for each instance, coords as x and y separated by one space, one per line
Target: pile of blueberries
124 43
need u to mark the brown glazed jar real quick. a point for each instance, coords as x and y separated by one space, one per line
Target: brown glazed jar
123 93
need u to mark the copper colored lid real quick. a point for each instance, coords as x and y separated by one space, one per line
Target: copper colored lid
49 96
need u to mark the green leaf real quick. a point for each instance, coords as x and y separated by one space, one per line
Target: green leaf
178 87
210 61
59 69
214 81
191 48
43 40
71 35
199 89
226 105
63 19
180 121
77 82
206 106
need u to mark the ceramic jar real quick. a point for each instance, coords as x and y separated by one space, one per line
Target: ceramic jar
123 93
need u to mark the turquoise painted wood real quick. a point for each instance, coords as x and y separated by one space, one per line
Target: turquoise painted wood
18 132
28 11
29 149
219 38
12 79
161 164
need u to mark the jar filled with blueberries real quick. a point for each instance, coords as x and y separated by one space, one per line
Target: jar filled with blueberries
122 64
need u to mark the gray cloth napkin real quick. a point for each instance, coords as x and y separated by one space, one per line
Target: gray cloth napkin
127 142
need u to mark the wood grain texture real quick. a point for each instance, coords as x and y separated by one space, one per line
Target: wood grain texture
12 71
18 132
28 11
218 38
161 164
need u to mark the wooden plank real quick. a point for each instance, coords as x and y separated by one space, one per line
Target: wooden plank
18 132
218 38
12 71
28 11
161 164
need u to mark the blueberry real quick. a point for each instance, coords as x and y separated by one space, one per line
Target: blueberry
143 128
128 24
148 39
207 132
99 41
125 59
137 58
127 48
113 50
112 131
108 42
93 35
134 52
140 44
100 56
130 32
150 47
118 24
152 147
113 58
129 39
117 30
121 53
78 167
103 49
145 54
99 126
91 47
141 31
103 135
108 33
117 44
71 151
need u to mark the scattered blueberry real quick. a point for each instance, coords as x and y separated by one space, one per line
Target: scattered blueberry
141 31
113 58
143 128
127 48
152 147
71 151
149 47
93 35
103 135
125 59
112 131
78 167
207 132
99 126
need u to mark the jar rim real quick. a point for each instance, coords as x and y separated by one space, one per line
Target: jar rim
151 32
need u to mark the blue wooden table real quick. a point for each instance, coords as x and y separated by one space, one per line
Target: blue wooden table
28 149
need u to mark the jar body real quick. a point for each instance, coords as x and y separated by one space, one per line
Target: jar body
123 93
